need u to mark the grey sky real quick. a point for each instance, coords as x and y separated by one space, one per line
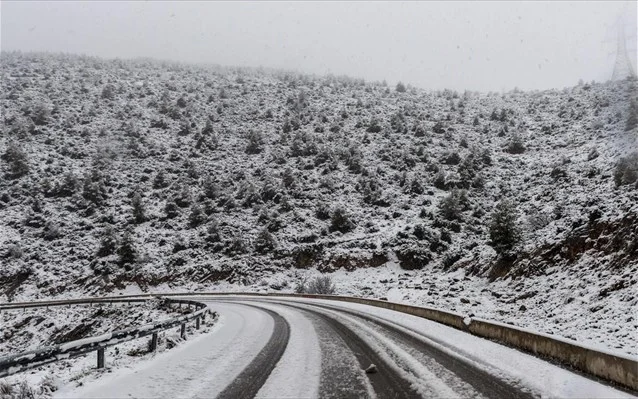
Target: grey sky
458 45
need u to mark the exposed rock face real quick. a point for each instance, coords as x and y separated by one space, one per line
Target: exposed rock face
613 243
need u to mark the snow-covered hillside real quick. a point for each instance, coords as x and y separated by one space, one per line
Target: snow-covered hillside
125 174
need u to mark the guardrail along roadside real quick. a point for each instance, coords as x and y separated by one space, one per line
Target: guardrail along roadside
23 361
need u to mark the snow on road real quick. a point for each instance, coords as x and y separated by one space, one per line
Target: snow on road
507 363
200 368
204 366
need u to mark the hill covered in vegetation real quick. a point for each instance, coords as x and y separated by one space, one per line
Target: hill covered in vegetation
152 174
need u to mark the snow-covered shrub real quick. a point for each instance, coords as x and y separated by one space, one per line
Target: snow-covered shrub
21 390
48 385
52 231
558 173
302 145
40 114
340 221
450 206
412 255
14 252
269 190
440 180
171 209
400 88
248 194
453 158
288 178
439 128
354 160
160 180
626 171
68 186
538 219
422 232
94 187
182 194
255 143
515 145
374 126
419 130
322 211
21 128
237 246
398 122
16 159
180 244
108 92
213 233
210 187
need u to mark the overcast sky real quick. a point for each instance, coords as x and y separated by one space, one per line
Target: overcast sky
459 45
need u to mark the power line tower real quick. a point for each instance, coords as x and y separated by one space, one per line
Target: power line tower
623 67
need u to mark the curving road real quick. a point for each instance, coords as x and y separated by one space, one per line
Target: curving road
301 348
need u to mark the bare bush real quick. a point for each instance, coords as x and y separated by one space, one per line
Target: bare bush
322 285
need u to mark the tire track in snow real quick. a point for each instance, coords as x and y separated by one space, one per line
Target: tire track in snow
297 374
387 382
253 377
482 381
340 374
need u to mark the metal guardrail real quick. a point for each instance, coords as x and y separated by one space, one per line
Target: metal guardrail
16 363
70 302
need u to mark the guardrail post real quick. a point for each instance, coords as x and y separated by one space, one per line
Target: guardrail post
154 342
182 332
100 358
197 322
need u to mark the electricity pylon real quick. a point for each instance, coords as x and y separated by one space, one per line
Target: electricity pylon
623 67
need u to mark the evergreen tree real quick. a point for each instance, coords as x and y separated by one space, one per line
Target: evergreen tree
127 252
139 213
108 243
632 118
160 180
450 207
255 142
171 209
503 228
197 215
265 242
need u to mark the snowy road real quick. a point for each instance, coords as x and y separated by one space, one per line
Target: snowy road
294 348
